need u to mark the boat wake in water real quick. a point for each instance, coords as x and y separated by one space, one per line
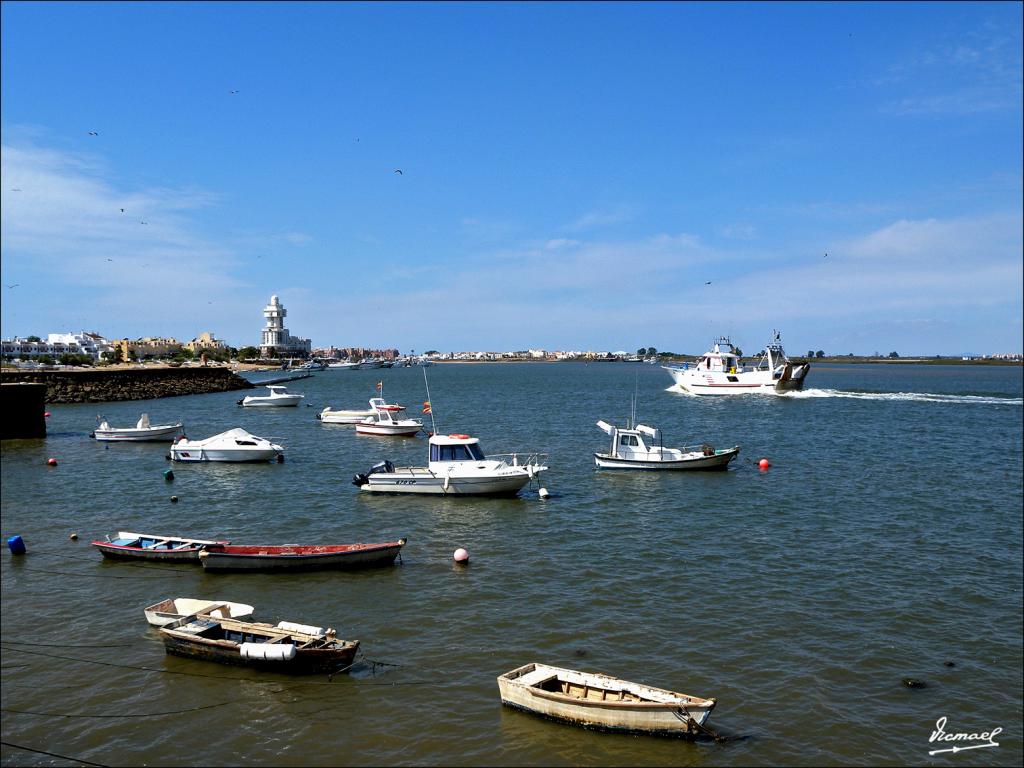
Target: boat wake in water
913 397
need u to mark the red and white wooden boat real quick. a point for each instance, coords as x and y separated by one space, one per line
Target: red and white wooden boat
296 557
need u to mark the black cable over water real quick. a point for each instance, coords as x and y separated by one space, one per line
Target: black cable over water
52 754
140 714
95 575
46 553
64 645
216 677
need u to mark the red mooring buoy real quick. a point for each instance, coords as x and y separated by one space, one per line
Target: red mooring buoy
764 463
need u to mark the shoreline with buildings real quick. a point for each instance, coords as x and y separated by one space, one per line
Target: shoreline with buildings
277 344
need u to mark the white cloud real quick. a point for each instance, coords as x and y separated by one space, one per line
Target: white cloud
598 219
75 253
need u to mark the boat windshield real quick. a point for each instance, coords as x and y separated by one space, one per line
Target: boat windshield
465 452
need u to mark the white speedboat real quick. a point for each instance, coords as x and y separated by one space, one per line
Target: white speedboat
383 421
457 466
143 430
355 416
630 449
371 362
278 397
343 366
233 445
720 372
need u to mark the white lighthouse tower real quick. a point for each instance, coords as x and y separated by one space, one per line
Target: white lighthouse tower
275 336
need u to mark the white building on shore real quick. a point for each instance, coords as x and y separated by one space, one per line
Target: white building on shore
56 344
275 336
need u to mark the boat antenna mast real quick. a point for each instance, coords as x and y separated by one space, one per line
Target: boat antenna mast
430 405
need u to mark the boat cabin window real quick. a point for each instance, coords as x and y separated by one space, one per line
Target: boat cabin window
456 453
628 440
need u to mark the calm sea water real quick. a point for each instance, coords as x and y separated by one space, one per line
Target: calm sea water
884 542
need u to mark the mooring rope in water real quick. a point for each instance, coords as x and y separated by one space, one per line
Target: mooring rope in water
138 714
221 677
46 553
64 645
52 754
98 575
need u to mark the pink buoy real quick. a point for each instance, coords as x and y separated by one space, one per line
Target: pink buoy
51 462
461 555
764 463
46 414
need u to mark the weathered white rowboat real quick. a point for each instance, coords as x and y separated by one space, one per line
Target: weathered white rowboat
174 609
602 702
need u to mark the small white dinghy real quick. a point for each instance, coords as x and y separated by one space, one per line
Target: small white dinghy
172 609
278 397
143 430
602 702
634 449
233 445
383 421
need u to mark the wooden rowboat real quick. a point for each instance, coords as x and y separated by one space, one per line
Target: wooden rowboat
602 702
295 649
173 609
148 546
295 557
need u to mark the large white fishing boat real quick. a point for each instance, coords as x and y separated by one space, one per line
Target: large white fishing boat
457 466
720 372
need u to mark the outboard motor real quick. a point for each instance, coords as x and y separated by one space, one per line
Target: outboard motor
362 479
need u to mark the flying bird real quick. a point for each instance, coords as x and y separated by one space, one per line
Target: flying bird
399 171
16 189
708 283
232 91
109 259
14 286
122 210
93 133
143 222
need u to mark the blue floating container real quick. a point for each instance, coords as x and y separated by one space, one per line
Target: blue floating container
168 475
17 545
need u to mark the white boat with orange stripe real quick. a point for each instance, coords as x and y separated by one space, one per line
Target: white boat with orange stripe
457 466
720 371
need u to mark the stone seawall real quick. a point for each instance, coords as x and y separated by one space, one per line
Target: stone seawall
104 386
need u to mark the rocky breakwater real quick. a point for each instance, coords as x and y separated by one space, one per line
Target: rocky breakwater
105 385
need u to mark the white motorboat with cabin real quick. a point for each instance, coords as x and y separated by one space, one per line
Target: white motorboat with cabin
142 431
720 371
457 466
234 445
343 365
356 416
278 397
383 421
635 448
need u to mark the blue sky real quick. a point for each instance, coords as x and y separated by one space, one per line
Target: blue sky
573 175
